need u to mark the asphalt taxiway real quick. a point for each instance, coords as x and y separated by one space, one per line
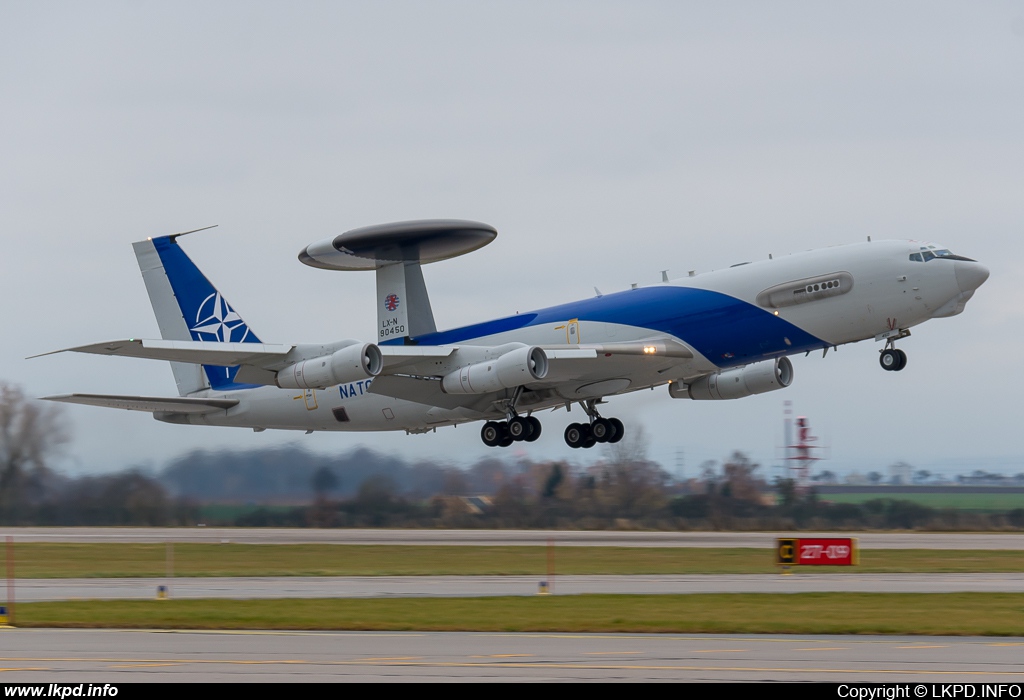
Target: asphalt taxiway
113 656
564 538
35 590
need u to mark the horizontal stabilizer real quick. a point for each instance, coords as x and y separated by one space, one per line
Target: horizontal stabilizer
152 404
198 352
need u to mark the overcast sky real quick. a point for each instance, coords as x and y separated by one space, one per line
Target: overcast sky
605 142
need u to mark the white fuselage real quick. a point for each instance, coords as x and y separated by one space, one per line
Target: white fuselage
727 318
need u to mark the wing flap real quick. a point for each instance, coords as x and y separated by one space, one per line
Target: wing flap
151 404
655 347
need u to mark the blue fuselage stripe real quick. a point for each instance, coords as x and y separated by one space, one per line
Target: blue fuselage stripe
724 329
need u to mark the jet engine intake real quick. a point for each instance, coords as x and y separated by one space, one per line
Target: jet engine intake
737 383
515 368
349 364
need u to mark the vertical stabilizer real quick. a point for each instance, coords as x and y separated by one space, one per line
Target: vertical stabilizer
403 309
188 307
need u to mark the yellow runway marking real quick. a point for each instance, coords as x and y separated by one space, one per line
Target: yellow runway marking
142 665
280 633
716 651
386 658
1006 644
4 670
176 662
757 669
823 649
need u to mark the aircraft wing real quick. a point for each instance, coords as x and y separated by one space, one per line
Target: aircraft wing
655 347
569 366
399 357
152 404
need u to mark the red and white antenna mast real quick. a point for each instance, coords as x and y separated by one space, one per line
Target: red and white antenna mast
800 453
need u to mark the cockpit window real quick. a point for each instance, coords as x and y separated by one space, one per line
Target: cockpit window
930 252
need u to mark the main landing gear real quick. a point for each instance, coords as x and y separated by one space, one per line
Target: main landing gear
599 429
516 428
504 433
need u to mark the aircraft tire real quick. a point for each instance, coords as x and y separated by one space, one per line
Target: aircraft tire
588 437
574 435
535 433
519 428
903 361
493 433
890 360
619 428
601 429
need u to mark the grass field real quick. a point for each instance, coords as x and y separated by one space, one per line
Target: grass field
977 502
57 560
805 613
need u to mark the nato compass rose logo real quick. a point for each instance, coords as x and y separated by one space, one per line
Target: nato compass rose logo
391 302
216 318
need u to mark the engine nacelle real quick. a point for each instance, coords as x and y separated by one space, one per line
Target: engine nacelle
515 368
350 364
737 383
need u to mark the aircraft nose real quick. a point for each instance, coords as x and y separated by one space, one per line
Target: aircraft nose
969 275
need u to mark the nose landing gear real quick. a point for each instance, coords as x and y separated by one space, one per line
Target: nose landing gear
892 360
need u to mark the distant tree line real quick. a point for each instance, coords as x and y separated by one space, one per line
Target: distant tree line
626 495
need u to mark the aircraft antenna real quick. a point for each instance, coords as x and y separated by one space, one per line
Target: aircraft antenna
195 230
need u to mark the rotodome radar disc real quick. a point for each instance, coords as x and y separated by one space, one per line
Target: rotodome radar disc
372 247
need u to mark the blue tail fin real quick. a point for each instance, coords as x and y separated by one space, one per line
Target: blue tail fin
199 312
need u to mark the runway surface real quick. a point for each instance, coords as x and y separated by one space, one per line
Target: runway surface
602 538
29 590
113 656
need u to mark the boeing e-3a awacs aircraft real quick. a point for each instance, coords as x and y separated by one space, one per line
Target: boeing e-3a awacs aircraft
724 334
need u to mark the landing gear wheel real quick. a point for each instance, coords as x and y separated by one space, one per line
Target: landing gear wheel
519 428
535 433
890 360
493 433
589 440
506 441
619 430
575 435
602 430
903 361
